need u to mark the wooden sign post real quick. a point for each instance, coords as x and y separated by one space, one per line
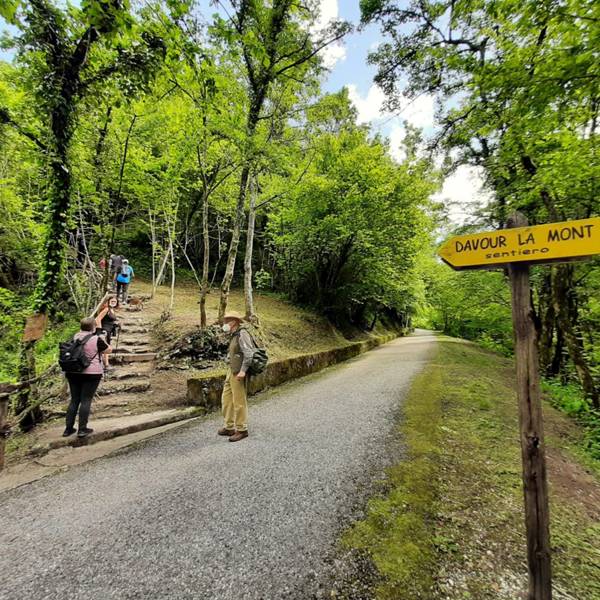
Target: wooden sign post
531 425
516 248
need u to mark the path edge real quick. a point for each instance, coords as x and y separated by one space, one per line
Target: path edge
205 392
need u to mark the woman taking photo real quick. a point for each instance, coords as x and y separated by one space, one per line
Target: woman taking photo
83 385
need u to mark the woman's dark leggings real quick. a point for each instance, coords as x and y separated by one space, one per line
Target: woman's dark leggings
83 388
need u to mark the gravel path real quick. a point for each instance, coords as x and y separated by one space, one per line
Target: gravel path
189 515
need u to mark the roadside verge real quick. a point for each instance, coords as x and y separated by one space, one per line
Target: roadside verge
448 523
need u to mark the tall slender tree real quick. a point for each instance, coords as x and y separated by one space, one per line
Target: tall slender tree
274 44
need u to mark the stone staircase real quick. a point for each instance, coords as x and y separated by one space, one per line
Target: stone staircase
133 362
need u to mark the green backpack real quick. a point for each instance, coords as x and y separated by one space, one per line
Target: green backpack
259 358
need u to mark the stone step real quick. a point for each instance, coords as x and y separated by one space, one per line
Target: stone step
138 370
141 349
129 386
124 400
129 358
110 401
133 341
139 321
134 329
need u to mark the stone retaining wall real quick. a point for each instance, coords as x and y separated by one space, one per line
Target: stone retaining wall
206 391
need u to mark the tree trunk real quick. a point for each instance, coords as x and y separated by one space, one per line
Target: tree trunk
248 295
22 400
161 272
235 240
204 288
557 358
563 283
152 224
53 254
171 244
257 99
547 316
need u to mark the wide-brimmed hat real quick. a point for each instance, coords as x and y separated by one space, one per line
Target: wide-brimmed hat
232 314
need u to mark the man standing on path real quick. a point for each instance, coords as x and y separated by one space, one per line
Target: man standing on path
234 399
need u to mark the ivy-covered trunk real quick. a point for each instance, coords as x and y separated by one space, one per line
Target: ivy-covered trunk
59 202
563 286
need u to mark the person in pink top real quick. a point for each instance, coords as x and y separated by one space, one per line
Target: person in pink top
83 385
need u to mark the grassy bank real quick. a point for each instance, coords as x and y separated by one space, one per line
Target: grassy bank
288 330
450 522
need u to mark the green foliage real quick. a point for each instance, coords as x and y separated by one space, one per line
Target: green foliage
8 9
517 91
345 239
473 304
569 399
263 280
10 311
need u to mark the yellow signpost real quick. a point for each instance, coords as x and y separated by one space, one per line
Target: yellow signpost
539 243
515 248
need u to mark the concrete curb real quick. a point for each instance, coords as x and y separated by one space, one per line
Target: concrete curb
100 436
205 392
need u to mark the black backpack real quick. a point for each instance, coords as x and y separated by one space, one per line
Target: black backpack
72 357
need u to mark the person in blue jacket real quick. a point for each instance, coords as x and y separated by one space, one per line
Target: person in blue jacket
124 277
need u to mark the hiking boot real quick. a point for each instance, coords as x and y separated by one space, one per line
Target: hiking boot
69 431
225 431
239 435
84 432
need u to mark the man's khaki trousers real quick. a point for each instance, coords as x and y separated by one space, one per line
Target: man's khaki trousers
234 403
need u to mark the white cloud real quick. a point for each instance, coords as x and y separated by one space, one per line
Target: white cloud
419 112
462 193
328 12
396 136
369 108
333 54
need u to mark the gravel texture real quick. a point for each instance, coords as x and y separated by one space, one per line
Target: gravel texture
190 515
